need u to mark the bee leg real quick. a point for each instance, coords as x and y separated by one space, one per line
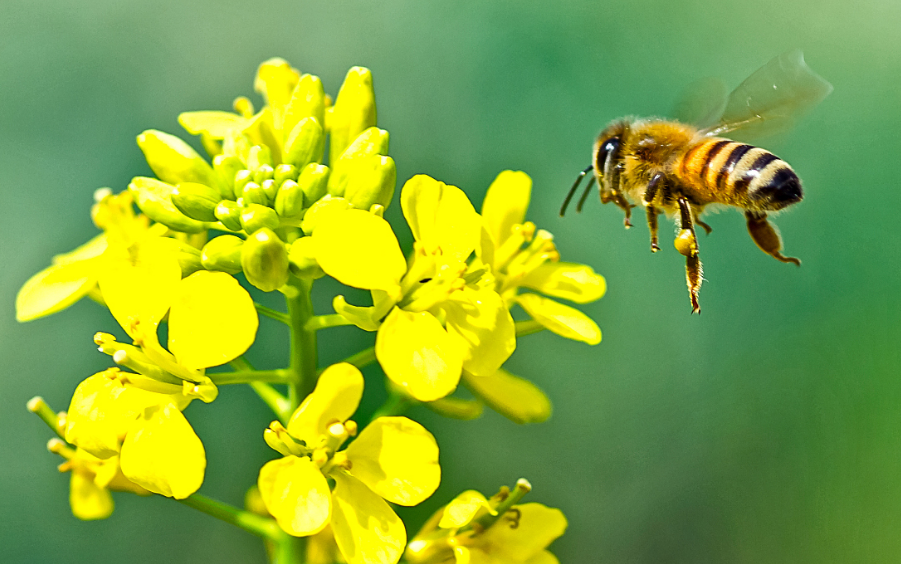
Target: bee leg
687 244
706 227
650 195
767 236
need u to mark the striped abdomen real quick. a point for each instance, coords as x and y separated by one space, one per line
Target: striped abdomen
723 171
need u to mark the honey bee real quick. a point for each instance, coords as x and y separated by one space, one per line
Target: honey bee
682 170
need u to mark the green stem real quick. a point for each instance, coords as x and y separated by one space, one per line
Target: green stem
396 404
250 522
277 402
278 376
318 322
524 328
39 407
521 489
272 314
363 358
302 377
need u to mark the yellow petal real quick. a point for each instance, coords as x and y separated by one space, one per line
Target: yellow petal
398 459
574 282
516 399
212 320
96 246
441 217
543 557
276 81
296 494
55 288
359 249
217 125
138 285
418 355
536 527
87 499
481 323
366 528
162 453
462 509
335 398
505 204
101 412
561 319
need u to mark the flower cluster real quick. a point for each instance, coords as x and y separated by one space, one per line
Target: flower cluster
292 193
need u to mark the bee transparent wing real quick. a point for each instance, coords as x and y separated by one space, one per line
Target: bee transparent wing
702 103
771 99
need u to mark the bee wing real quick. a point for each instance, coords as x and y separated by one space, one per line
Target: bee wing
771 99
702 103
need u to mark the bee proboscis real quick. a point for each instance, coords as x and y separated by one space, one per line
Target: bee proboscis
679 169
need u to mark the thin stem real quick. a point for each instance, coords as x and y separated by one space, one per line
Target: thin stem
363 358
276 401
524 328
302 378
39 407
250 522
272 314
277 376
318 322
396 404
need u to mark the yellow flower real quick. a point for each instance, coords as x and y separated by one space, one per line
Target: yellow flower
440 319
92 480
474 530
315 484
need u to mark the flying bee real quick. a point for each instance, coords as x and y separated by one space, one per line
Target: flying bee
681 170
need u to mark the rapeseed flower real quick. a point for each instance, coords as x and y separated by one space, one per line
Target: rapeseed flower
315 484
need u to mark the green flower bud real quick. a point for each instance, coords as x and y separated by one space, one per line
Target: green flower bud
226 168
305 143
313 180
253 194
289 200
302 260
223 254
189 260
255 217
373 141
285 172
174 161
229 213
264 260
270 188
197 201
258 156
263 173
353 112
242 177
152 197
371 180
307 100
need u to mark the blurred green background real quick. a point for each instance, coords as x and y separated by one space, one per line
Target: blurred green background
767 430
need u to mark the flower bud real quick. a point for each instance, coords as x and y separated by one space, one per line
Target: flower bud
373 141
242 177
174 161
197 201
305 143
226 168
264 260
313 180
255 216
229 213
223 253
189 260
258 156
284 172
289 201
370 180
270 189
307 100
253 194
263 173
302 259
153 198
353 112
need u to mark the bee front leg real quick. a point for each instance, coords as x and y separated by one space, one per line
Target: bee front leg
767 236
687 244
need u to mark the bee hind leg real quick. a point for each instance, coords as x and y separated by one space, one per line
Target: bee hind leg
766 236
687 244
650 195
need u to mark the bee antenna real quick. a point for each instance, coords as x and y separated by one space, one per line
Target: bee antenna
584 195
572 190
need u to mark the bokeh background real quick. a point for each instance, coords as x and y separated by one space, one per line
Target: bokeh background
765 430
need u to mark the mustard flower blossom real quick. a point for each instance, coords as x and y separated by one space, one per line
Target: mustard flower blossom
315 484
438 319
